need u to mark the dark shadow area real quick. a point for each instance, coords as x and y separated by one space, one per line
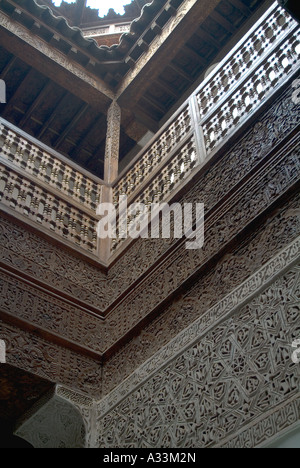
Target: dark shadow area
293 7
9 440
19 391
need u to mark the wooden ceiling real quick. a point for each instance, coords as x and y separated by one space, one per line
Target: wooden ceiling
51 113
54 115
47 108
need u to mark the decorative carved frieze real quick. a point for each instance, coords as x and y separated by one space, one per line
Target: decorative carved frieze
35 257
270 425
206 385
52 362
39 308
222 229
209 289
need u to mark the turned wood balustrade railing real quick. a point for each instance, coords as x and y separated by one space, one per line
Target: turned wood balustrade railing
55 195
250 75
43 187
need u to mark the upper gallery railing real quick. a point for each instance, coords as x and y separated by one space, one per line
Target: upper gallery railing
247 77
47 190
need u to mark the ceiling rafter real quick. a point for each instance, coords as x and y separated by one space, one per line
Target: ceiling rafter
194 55
222 21
181 72
18 92
99 122
154 103
8 67
167 88
71 125
207 37
241 6
36 103
52 116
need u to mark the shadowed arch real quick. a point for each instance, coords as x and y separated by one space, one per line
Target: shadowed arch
55 424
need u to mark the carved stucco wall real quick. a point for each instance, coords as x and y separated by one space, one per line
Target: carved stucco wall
50 361
227 380
200 396
246 257
231 283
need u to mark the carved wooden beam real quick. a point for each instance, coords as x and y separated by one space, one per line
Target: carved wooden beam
17 39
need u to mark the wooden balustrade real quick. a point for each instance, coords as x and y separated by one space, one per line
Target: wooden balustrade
258 66
44 188
161 148
248 76
48 166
